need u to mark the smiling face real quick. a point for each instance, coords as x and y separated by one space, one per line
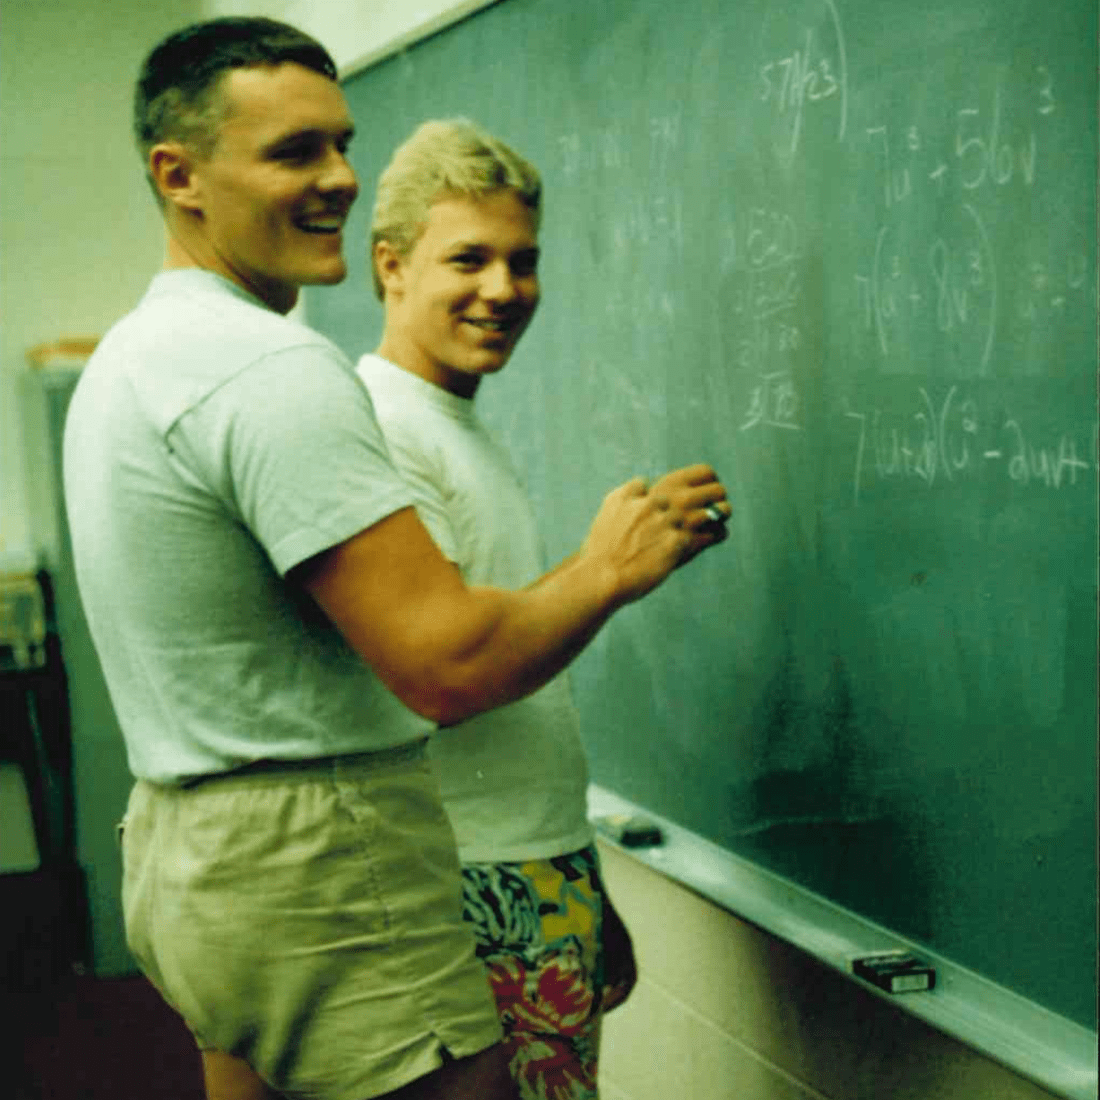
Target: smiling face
267 207
458 303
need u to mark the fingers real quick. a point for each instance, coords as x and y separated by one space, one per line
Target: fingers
700 482
644 533
700 539
699 474
695 494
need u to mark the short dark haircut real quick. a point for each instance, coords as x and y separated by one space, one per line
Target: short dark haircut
176 95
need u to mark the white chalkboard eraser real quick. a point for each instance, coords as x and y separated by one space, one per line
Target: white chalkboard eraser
896 972
630 830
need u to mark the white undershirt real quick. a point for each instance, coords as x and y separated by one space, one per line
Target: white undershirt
514 780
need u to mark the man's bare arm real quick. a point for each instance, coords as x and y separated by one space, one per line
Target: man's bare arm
449 651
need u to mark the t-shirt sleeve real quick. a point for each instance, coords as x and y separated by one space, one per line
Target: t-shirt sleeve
427 481
292 447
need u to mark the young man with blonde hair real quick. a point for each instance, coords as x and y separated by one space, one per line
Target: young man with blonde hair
455 262
261 592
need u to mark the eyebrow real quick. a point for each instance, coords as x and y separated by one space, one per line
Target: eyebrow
481 246
309 133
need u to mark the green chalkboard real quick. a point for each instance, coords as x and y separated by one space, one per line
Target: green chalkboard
844 250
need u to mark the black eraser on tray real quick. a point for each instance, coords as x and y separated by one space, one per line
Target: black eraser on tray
896 972
630 830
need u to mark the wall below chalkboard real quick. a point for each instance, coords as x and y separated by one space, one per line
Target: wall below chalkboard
724 1010
845 251
1014 1032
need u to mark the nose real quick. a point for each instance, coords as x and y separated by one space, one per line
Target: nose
338 176
499 283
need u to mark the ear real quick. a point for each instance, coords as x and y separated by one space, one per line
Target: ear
172 170
390 267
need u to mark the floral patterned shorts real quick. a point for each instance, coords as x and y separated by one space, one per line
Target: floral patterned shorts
538 931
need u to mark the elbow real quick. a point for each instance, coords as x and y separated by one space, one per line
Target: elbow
438 710
449 708
445 702
451 712
442 665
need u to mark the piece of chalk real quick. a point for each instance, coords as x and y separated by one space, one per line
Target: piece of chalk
630 830
714 515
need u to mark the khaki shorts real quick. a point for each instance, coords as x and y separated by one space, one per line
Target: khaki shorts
308 919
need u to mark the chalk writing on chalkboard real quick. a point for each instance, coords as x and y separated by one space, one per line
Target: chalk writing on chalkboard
984 144
957 281
814 74
949 438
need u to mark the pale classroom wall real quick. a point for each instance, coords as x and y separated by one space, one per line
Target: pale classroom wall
723 1010
80 232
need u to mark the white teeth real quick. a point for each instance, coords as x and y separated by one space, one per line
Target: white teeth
322 225
492 326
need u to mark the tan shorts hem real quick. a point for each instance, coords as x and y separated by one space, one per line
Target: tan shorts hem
419 1062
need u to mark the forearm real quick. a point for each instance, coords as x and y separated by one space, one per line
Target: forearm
449 651
509 644
446 650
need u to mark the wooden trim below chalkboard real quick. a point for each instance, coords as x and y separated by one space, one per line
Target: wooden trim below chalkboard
1056 1053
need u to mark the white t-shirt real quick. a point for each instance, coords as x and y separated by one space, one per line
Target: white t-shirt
514 779
210 446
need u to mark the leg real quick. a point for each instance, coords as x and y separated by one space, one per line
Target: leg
620 966
229 1078
483 1076
538 930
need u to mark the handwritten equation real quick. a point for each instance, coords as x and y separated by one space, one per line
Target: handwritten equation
761 256
932 266
949 439
862 224
985 147
809 73
953 284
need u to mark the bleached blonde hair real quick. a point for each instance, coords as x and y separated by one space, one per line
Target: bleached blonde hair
444 157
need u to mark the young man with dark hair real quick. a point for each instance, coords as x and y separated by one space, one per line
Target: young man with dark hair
259 589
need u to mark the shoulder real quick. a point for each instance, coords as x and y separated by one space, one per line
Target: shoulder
204 312
410 423
193 334
392 391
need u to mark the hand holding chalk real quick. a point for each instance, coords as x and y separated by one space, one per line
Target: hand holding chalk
644 533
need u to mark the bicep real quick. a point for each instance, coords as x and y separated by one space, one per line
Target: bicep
399 603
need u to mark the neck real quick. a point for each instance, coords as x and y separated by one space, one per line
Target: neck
177 255
180 254
403 353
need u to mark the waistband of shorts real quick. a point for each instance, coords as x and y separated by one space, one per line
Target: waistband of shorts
313 768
